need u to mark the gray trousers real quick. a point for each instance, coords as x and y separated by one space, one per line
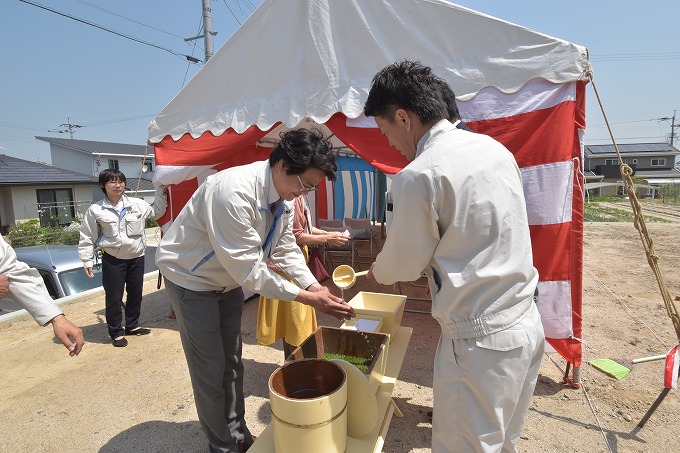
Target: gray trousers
210 329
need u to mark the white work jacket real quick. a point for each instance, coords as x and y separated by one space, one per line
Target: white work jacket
26 286
459 216
226 232
118 233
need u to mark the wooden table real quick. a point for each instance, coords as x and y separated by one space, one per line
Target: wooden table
373 441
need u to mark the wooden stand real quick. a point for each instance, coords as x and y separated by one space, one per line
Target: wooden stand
373 441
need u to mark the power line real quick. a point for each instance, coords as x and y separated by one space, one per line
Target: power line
68 127
622 122
248 3
123 35
656 137
17 138
232 13
74 126
120 120
23 126
629 122
129 19
200 27
647 56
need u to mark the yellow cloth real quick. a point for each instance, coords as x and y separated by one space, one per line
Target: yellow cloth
292 321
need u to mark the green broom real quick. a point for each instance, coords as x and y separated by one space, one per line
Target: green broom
620 368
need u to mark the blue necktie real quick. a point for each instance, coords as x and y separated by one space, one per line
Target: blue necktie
277 216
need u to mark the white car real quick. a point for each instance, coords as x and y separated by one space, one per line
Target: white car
62 270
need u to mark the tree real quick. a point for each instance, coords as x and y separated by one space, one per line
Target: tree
669 192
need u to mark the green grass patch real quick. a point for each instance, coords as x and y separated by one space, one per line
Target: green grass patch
362 363
594 212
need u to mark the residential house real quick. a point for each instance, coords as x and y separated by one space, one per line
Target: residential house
91 157
654 163
29 190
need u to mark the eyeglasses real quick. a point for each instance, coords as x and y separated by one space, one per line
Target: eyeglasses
304 188
115 183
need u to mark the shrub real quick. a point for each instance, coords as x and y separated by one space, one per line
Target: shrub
31 233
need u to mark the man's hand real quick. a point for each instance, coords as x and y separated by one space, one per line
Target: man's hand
68 333
320 297
4 285
88 272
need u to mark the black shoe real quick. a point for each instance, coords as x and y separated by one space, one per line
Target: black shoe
137 331
120 343
243 445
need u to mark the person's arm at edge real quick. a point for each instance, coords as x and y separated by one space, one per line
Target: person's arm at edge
70 335
160 203
26 287
412 235
89 230
4 285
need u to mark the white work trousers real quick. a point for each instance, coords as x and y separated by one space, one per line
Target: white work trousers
483 388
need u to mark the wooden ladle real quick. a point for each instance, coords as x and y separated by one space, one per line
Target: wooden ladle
344 276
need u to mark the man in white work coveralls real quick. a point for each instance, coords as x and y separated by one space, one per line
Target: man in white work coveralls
459 216
237 221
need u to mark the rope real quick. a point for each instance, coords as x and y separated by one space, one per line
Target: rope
594 412
141 169
582 188
629 310
639 222
584 377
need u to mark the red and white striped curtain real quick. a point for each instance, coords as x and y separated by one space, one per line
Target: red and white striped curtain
541 124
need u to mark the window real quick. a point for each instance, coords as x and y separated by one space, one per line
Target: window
49 284
659 162
113 164
611 161
55 207
148 166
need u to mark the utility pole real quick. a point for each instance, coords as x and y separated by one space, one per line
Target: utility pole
70 128
673 126
207 31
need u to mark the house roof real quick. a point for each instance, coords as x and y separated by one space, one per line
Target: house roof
630 149
100 148
19 172
672 173
144 185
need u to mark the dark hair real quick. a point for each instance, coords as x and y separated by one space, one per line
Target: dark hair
407 85
449 98
301 149
110 174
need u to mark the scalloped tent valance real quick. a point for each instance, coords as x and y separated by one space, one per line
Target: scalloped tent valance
295 59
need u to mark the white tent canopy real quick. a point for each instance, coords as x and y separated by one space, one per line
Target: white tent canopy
311 62
254 79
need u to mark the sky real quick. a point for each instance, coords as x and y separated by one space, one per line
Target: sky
57 71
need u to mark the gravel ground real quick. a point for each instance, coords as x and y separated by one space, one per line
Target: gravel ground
139 398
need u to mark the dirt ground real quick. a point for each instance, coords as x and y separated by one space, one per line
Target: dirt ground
139 398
